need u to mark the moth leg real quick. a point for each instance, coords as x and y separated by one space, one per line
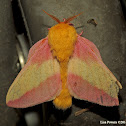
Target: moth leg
81 33
82 111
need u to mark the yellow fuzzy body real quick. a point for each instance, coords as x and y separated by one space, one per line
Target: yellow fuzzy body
62 38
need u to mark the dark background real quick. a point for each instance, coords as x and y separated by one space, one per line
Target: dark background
22 23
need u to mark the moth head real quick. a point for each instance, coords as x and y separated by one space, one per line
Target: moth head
62 33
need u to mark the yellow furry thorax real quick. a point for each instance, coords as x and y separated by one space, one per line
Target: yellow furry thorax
62 38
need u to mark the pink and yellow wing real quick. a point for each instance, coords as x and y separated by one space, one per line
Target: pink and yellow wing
89 78
39 81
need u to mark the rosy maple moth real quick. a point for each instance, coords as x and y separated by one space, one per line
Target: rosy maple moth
61 66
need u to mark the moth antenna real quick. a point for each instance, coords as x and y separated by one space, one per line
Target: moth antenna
71 18
53 17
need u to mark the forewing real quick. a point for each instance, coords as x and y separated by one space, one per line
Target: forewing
39 81
88 77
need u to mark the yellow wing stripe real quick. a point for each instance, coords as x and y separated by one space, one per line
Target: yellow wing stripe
31 77
95 74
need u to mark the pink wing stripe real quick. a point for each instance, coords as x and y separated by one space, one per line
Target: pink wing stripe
39 94
84 90
36 46
82 51
40 52
90 44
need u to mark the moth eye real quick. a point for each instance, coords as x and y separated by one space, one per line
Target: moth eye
71 24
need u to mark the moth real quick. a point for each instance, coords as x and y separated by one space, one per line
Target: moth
61 66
